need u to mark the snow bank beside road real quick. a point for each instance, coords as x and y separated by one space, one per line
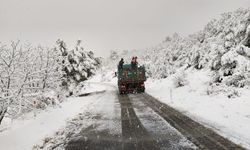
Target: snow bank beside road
92 88
229 117
24 133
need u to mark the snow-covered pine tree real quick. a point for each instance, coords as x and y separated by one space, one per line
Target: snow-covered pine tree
77 65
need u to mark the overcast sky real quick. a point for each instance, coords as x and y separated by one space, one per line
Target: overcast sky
104 25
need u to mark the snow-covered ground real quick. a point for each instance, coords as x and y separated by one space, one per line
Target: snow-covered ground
30 129
229 117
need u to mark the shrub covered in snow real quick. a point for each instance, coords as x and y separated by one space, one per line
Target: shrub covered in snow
27 73
180 79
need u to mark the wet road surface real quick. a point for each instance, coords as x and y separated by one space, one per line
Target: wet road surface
140 122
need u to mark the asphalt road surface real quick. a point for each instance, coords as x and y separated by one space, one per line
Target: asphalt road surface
141 122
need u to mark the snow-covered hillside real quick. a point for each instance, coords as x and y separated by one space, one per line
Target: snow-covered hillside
221 47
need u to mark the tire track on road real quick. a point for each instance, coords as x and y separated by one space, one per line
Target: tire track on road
101 130
134 134
166 136
201 136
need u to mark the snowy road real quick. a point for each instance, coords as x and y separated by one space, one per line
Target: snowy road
139 121
124 122
106 120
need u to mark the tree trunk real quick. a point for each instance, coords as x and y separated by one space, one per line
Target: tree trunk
2 113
